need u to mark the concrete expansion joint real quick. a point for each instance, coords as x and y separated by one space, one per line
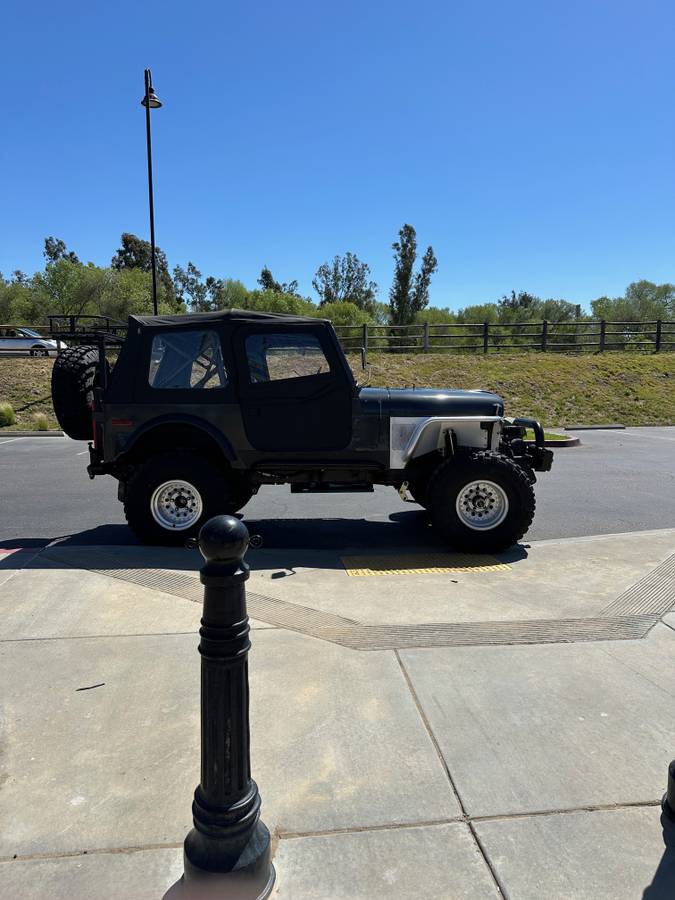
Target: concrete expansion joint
448 774
281 835
95 851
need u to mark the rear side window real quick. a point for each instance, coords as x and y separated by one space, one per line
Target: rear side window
184 360
278 357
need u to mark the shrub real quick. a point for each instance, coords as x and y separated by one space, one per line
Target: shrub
41 422
7 415
344 312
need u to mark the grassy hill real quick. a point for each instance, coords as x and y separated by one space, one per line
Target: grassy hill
631 388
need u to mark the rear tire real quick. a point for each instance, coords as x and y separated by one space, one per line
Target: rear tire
74 377
170 496
481 502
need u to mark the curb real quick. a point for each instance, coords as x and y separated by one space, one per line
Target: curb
31 434
568 442
594 427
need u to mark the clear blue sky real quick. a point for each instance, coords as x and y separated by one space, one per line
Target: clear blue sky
532 144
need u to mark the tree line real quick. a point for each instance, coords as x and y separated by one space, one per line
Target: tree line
345 291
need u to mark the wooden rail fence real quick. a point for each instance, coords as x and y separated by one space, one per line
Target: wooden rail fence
546 337
597 336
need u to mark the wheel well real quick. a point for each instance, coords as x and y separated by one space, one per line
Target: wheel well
421 467
176 436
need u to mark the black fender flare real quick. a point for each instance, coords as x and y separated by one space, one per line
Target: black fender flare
182 419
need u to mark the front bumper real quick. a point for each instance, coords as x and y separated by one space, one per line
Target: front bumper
539 456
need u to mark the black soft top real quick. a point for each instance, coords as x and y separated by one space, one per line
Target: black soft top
123 377
220 317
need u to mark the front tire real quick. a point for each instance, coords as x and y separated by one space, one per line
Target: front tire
170 496
481 502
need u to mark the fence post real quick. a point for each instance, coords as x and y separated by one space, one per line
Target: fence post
603 329
227 853
544 335
486 336
657 338
426 337
364 340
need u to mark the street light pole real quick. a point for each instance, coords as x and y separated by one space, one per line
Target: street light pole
151 101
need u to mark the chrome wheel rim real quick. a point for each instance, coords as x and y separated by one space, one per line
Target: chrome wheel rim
482 505
176 505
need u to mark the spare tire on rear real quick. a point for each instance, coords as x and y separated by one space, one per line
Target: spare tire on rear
74 377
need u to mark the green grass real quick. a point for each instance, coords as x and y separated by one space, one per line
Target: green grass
25 383
548 436
599 389
7 415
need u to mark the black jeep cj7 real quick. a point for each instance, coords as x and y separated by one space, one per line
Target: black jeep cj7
201 410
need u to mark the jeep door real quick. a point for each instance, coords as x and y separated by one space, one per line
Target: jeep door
294 393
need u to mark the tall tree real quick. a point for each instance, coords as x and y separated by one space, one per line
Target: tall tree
135 253
190 288
226 293
268 282
409 292
55 249
642 300
345 280
521 300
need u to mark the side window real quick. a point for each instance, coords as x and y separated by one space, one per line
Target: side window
182 360
278 357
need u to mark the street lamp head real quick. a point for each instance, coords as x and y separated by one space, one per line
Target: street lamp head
151 99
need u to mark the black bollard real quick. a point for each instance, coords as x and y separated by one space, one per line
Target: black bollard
668 802
227 854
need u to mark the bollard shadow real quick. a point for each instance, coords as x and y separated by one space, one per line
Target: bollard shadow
662 886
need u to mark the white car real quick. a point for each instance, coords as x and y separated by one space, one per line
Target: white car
17 339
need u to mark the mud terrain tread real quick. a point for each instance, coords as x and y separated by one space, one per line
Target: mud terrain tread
73 380
453 473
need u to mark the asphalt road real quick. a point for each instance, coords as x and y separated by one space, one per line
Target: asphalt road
616 481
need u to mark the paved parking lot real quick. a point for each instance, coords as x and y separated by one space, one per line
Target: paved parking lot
498 732
617 481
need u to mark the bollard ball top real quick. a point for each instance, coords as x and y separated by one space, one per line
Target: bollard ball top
223 539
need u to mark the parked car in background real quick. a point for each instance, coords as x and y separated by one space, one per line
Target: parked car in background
17 339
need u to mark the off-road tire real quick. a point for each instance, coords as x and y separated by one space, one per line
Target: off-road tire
74 377
454 474
220 492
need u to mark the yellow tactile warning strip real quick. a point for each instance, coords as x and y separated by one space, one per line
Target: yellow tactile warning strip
422 564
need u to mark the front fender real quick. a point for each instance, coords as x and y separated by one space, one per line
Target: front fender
411 438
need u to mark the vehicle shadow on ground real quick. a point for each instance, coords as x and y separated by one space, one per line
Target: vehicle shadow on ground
313 543
662 886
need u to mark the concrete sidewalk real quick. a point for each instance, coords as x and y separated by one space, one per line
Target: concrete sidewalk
473 734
